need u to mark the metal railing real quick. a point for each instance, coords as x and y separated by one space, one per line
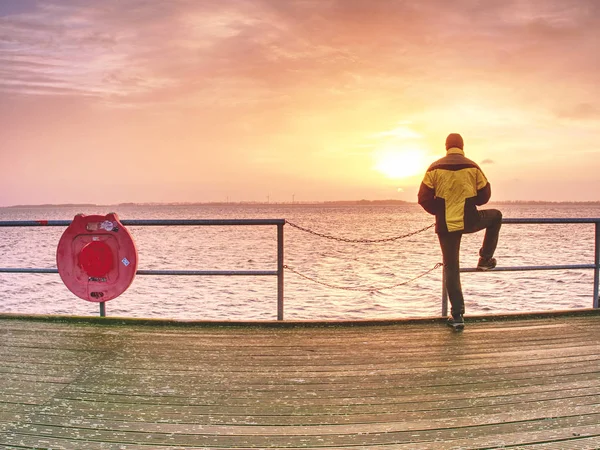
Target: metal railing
595 266
280 252
185 222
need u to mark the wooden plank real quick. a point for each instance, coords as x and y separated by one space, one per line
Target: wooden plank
542 429
405 393
419 423
130 378
309 416
574 443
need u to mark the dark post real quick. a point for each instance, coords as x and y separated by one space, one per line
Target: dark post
597 263
280 271
102 309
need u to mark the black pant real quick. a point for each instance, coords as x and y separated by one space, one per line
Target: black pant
490 220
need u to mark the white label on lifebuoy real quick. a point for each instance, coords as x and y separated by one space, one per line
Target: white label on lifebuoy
125 262
107 225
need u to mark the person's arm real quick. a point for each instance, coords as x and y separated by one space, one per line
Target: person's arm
427 198
484 190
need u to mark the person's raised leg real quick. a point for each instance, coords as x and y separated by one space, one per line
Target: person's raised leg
491 221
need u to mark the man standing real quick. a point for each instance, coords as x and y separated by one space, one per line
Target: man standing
451 190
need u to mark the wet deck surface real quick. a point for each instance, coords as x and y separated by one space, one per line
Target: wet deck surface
531 384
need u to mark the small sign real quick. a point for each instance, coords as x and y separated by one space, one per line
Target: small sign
107 225
125 262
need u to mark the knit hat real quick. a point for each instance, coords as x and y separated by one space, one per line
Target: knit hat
454 140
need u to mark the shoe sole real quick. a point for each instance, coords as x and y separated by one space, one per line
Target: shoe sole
457 326
485 269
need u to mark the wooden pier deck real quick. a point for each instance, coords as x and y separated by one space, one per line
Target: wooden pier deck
531 384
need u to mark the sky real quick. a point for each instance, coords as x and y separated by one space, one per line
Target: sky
294 100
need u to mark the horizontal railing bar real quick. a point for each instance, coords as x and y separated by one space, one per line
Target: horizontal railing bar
153 222
529 268
209 272
225 222
170 222
35 223
509 220
159 272
274 272
22 270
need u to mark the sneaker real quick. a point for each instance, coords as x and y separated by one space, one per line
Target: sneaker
458 323
486 263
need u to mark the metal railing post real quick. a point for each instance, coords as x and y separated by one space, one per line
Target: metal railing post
444 294
102 309
280 271
597 263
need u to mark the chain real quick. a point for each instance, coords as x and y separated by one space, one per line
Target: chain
363 241
358 288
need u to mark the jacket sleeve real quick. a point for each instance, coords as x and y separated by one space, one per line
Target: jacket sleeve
426 195
484 190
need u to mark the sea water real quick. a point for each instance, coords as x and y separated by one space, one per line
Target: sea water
340 274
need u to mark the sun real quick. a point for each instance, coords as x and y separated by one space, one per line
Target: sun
399 163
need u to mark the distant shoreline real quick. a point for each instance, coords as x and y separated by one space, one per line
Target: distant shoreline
299 203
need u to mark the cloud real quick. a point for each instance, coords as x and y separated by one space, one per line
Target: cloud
13 8
159 51
580 111
299 62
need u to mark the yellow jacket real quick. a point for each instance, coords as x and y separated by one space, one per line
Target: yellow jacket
452 188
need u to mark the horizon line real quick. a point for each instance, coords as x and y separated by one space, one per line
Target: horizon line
285 203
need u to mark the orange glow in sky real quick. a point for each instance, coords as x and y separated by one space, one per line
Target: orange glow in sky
193 101
401 163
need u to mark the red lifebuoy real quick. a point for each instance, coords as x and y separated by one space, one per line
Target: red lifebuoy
96 257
